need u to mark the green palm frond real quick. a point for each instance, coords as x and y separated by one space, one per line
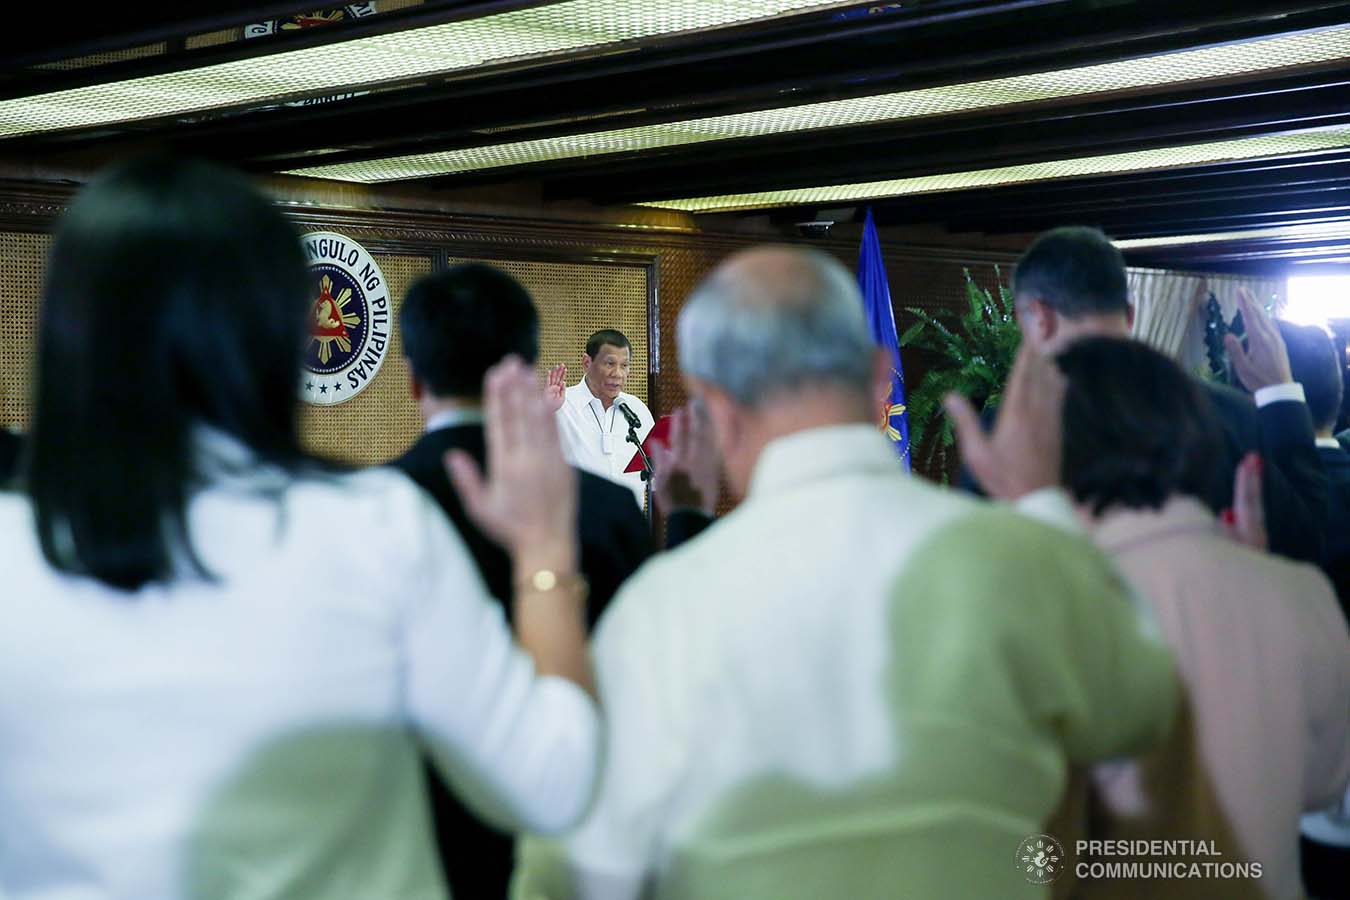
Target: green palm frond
976 347
938 335
912 333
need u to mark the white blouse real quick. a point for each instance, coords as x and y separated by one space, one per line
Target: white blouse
258 735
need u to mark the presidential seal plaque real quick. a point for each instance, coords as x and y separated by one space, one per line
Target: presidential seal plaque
350 321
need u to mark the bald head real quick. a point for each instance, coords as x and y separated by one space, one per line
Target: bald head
781 276
776 318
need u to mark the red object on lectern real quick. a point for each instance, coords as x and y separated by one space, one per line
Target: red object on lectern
660 434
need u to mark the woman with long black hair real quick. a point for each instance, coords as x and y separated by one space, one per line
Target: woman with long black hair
220 658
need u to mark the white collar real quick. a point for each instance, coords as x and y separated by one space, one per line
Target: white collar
825 452
1330 443
221 458
449 418
217 449
580 394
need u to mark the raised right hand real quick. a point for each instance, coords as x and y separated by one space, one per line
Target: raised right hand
555 387
1265 360
1022 453
528 503
528 500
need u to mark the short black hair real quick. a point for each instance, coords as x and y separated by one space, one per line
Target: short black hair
459 323
176 294
1314 363
1076 271
1137 429
611 336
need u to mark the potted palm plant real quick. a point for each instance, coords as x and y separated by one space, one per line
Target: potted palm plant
976 348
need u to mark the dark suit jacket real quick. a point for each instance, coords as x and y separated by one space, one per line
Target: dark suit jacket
1336 563
1294 484
10 443
685 525
615 540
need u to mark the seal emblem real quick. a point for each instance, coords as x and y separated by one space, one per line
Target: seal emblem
1041 858
310 19
349 320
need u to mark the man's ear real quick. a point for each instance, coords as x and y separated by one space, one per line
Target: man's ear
1129 317
1044 320
734 435
586 361
415 387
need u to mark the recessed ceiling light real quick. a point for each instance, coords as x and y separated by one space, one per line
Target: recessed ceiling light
1311 231
520 34
1225 61
1112 163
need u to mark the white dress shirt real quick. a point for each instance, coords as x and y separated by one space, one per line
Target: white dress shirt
258 735
1276 393
453 418
857 686
596 439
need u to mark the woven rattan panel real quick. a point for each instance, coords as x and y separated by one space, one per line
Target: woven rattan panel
103 59
681 271
23 257
577 299
382 421
214 38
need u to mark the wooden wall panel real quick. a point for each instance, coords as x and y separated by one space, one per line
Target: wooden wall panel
582 276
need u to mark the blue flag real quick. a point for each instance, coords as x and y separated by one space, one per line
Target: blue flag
891 417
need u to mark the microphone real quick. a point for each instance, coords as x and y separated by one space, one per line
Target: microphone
633 420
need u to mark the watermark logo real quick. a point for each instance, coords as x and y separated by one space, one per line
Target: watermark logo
1170 859
1041 858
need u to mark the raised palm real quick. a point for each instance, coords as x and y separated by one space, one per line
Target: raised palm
527 498
555 387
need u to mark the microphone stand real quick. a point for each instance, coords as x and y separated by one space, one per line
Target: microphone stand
647 470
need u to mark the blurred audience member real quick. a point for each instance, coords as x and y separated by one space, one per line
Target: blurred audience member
1263 652
220 657
1312 358
1070 284
856 684
456 325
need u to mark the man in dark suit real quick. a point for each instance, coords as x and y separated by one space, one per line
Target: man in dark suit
1317 366
1313 359
455 325
1070 283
